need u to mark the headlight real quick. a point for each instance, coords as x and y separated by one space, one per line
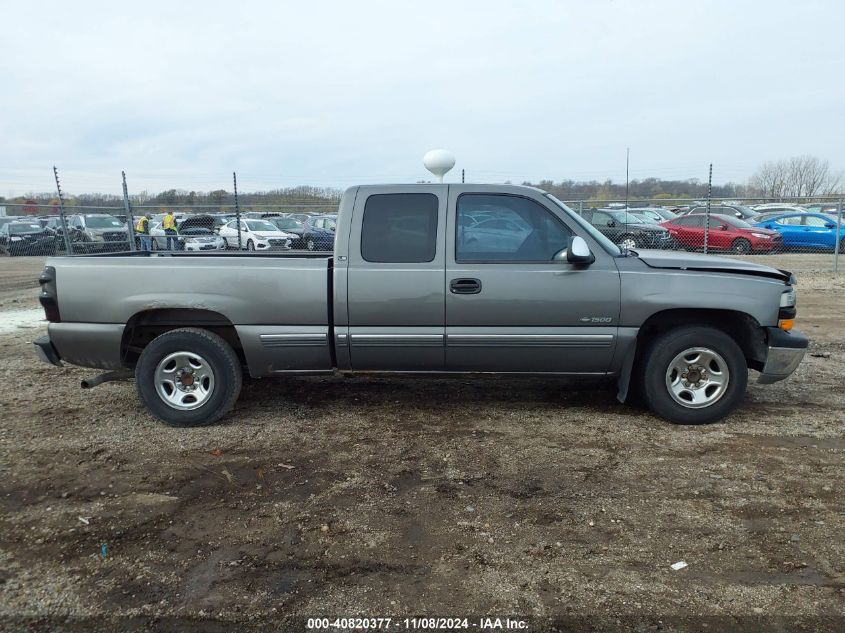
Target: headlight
763 236
787 299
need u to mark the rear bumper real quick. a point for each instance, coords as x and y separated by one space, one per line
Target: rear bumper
786 350
46 352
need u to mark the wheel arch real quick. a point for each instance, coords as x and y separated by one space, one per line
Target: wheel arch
743 328
142 327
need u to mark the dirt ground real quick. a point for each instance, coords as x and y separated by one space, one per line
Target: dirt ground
376 497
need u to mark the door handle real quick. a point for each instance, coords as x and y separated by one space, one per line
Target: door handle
465 286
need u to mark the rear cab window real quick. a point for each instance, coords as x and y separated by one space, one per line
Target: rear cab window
400 228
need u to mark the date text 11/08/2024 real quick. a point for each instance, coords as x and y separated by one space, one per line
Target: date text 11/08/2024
421 623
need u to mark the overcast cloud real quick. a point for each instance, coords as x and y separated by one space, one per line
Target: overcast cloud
180 94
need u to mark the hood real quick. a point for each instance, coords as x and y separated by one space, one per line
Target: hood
710 263
197 222
274 234
648 227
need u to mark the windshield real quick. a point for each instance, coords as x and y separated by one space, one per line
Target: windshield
260 225
288 223
609 246
623 217
102 222
727 219
24 228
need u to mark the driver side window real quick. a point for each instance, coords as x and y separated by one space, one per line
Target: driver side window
495 228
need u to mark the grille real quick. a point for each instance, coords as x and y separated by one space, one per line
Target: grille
114 237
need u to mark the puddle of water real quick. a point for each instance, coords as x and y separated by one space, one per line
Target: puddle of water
27 320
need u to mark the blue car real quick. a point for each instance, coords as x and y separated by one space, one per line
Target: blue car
806 230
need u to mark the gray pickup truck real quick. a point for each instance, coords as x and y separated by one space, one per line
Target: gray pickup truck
428 280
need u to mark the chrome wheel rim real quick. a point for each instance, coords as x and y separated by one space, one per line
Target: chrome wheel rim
697 377
628 242
184 380
310 245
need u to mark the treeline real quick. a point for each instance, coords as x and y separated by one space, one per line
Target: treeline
185 199
649 188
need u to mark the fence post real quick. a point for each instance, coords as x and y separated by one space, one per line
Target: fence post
237 207
707 214
837 241
62 218
130 221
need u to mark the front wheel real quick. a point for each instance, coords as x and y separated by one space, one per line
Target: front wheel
188 377
741 246
250 245
694 375
627 242
310 245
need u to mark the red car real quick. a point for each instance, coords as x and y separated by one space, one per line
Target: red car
727 233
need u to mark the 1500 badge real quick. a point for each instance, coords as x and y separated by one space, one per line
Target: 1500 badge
596 319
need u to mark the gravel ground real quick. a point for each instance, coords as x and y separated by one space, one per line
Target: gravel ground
384 497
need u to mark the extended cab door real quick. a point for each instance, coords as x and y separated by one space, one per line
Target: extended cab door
509 306
395 295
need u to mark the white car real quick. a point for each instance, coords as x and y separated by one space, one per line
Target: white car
256 235
189 238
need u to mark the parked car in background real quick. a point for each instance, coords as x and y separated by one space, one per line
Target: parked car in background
737 210
26 238
768 215
785 207
308 237
806 230
659 214
197 233
627 230
256 235
98 232
326 221
822 207
727 233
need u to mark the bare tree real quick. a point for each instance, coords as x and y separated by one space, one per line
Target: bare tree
800 176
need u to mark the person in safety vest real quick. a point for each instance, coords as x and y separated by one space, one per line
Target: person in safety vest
142 230
169 226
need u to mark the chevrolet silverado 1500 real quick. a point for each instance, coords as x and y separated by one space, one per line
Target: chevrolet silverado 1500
428 279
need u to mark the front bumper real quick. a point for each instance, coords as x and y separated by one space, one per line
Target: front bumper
786 350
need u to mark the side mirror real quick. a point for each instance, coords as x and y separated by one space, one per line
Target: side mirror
830 225
611 223
578 253
723 227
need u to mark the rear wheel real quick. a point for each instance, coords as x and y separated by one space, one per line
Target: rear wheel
693 375
741 246
188 377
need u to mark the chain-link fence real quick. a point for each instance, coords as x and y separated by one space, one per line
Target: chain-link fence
795 234
36 229
798 234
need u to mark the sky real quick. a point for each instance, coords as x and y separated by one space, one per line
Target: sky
181 94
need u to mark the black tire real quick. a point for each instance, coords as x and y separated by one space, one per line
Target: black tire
663 350
250 245
310 245
153 244
741 246
220 357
